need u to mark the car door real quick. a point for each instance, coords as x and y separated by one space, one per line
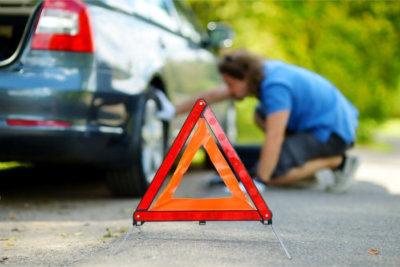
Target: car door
196 65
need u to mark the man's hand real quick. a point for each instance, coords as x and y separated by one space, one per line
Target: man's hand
275 125
167 111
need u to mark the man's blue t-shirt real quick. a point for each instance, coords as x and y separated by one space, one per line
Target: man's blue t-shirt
315 104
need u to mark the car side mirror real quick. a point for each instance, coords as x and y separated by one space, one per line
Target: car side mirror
220 35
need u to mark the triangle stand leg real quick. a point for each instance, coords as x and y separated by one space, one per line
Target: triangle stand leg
122 240
280 241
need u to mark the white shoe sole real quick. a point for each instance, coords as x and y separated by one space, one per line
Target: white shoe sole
344 187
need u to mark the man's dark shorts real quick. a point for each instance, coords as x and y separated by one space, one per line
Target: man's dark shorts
298 148
301 147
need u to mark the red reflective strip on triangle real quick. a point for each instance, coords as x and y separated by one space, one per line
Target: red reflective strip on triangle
237 165
171 155
147 216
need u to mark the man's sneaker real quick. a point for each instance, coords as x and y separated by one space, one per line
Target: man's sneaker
261 187
344 176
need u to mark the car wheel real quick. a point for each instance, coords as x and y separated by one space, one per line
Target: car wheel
149 146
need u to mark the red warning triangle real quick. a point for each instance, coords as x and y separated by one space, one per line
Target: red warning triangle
236 207
202 137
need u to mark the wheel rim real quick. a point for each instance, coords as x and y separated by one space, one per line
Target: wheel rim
152 141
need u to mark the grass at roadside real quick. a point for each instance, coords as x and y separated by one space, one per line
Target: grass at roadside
248 131
380 133
391 128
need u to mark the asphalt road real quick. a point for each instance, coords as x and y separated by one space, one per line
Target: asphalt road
65 219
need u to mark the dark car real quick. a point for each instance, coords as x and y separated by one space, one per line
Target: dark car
78 81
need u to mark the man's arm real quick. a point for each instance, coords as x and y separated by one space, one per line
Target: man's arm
274 136
211 96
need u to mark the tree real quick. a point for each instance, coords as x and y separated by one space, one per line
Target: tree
355 44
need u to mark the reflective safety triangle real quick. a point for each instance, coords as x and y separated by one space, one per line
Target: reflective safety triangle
238 201
228 165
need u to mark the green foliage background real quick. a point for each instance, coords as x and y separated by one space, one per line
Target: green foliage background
355 44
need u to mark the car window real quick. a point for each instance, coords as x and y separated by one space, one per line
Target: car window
125 5
141 7
189 25
155 10
161 14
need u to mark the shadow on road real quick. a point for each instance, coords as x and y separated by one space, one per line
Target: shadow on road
52 182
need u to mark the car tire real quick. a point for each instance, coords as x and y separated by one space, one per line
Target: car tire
148 146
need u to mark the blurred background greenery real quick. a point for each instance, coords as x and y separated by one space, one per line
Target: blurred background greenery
355 44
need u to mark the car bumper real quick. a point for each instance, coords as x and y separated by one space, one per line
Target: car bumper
105 146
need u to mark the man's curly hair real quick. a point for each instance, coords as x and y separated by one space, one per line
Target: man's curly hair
241 64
